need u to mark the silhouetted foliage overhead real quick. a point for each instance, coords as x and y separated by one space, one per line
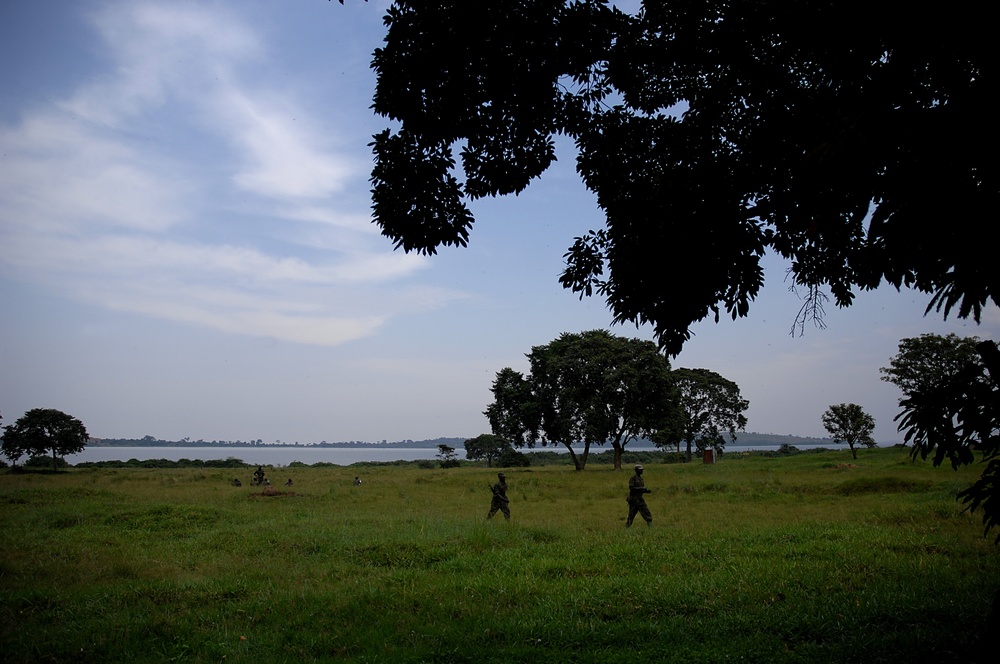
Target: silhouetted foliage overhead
587 388
845 139
951 409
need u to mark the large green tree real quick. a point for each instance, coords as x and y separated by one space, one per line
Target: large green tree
835 134
41 430
849 423
485 446
587 388
931 361
951 408
711 408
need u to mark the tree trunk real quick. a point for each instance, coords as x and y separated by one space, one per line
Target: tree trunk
854 452
55 468
618 454
583 458
572 455
689 450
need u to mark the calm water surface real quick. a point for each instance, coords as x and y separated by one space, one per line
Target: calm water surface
267 456
282 456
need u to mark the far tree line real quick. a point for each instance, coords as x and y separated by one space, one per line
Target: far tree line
597 388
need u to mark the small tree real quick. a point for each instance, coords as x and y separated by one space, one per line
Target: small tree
41 430
849 423
446 453
486 446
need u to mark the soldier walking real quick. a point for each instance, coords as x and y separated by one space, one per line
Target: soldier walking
636 500
500 501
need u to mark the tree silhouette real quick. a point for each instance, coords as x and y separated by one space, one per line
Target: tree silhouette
832 133
589 388
849 423
41 430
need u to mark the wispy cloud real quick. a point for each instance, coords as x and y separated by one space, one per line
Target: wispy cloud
181 182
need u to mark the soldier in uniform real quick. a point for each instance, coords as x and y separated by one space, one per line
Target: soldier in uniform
636 502
500 501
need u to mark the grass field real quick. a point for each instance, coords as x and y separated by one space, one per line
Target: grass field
807 558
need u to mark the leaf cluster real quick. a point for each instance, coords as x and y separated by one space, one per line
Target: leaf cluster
833 134
951 408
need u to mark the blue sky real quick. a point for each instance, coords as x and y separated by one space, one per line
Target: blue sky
186 247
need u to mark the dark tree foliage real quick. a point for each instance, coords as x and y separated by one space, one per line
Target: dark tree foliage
711 407
837 134
43 430
849 423
931 361
951 409
511 458
589 388
448 457
486 446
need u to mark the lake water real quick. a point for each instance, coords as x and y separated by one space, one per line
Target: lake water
266 456
341 456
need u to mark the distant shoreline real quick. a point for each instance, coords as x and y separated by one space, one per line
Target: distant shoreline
742 440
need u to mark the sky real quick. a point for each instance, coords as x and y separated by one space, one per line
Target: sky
186 247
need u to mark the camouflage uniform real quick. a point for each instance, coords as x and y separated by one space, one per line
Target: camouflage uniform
636 501
500 501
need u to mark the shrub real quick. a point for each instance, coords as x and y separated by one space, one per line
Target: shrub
44 461
511 458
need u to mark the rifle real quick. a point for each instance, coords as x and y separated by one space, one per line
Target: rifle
493 489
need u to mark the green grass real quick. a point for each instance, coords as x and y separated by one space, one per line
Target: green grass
807 558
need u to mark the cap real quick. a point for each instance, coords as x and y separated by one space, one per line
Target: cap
638 466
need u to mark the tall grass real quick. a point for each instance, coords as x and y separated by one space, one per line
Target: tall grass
799 559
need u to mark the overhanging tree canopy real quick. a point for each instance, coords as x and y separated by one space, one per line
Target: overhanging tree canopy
951 408
847 140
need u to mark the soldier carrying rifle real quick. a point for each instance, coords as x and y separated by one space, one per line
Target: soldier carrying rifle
636 500
500 501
